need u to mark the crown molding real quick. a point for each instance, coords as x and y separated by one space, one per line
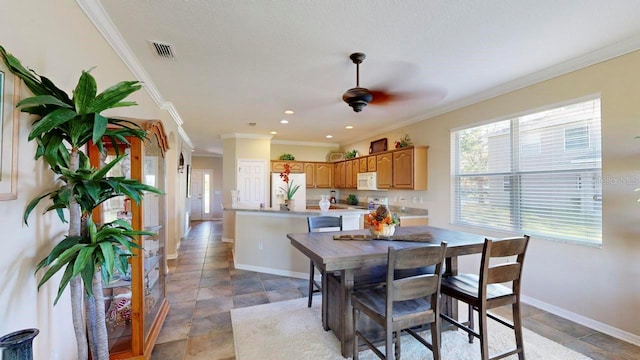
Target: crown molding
306 143
98 16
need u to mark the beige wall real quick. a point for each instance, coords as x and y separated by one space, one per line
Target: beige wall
597 286
58 41
309 152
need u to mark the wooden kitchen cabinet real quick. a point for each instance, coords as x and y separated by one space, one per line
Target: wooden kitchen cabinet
294 166
384 166
338 174
310 174
362 164
324 175
410 168
348 174
372 163
354 175
136 302
319 175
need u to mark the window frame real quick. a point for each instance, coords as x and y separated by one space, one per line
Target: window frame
514 189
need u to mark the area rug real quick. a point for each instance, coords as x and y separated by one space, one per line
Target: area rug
290 330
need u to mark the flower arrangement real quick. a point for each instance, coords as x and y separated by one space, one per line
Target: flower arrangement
289 188
380 219
404 141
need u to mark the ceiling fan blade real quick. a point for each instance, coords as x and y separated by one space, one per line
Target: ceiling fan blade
432 96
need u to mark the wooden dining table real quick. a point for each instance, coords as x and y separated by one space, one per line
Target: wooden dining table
345 252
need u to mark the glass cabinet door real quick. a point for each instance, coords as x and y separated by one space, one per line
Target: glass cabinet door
154 246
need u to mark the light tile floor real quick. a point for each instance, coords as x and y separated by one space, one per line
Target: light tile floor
204 287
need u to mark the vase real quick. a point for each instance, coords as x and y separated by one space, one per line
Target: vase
18 345
385 232
291 204
324 203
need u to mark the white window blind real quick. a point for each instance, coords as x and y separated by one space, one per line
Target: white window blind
538 174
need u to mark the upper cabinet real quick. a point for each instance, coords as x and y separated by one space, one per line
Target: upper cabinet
294 166
319 175
404 169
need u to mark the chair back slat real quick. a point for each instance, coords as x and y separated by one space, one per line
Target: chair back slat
508 247
324 222
418 285
503 273
417 258
415 287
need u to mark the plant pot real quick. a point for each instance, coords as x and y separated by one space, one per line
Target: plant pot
291 204
18 345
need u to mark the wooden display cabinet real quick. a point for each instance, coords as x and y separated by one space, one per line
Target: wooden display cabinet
136 303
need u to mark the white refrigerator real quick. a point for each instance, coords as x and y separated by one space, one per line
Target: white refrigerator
278 195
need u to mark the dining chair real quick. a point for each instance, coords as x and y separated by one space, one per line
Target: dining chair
488 290
317 223
404 303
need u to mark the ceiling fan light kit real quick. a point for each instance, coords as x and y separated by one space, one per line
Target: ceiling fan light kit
357 97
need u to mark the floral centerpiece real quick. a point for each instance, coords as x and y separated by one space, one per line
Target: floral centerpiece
289 188
381 222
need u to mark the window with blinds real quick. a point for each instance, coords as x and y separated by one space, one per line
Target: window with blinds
538 174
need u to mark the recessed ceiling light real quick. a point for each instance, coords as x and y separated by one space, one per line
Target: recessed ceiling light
349 127
329 136
288 112
273 132
284 121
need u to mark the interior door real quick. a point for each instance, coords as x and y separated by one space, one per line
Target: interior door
252 183
196 194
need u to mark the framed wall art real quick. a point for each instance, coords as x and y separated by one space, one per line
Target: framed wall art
9 127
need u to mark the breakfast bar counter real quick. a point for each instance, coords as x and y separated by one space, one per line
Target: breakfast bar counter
260 240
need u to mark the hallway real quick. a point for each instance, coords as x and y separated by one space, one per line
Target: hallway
203 287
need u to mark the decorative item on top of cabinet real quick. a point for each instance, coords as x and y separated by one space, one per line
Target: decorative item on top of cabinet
287 156
378 146
351 154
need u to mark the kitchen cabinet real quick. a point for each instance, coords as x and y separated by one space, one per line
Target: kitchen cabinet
384 166
324 175
319 175
354 175
371 163
338 174
362 164
294 166
348 174
410 168
136 303
310 174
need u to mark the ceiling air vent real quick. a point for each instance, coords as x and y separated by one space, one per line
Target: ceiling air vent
163 50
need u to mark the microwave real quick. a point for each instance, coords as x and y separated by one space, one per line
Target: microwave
367 181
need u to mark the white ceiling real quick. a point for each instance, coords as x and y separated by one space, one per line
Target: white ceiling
246 61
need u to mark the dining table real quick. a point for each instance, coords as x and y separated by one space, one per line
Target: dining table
346 252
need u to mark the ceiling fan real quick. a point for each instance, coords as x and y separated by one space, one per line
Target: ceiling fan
359 97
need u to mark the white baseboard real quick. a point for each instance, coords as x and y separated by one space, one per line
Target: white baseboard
582 320
280 272
224 239
174 256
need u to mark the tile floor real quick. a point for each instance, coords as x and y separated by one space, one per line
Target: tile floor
203 287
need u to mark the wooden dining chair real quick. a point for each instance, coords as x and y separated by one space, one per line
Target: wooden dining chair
404 303
487 291
317 223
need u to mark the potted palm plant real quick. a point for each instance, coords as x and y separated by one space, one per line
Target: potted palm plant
89 253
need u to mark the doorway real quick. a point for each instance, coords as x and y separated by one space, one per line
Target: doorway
202 199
